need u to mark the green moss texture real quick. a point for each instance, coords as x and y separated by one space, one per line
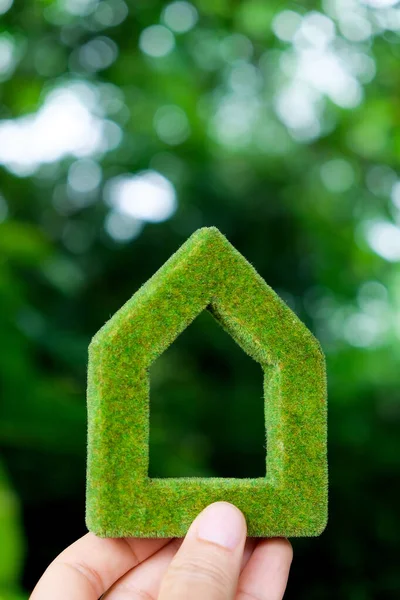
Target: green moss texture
207 272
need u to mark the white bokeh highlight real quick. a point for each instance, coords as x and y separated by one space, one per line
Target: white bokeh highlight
315 68
79 8
65 125
180 16
156 41
5 5
379 3
8 56
285 24
147 196
384 239
395 194
84 176
98 54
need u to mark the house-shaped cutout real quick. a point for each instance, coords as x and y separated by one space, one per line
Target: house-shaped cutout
205 273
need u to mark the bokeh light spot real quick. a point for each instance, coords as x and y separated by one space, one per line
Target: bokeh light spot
373 298
355 27
147 196
316 30
379 3
79 8
337 175
171 125
84 176
98 54
359 64
384 239
327 73
5 5
7 55
180 16
3 208
110 13
245 78
236 47
285 25
235 119
361 330
395 194
380 180
112 135
64 125
156 41
121 227
205 48
297 106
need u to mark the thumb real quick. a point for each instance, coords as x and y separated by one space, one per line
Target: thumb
207 565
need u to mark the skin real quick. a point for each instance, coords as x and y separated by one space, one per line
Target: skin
214 561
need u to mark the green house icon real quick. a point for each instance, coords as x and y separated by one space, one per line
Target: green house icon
207 272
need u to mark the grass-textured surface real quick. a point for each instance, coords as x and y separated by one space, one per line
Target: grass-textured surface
205 273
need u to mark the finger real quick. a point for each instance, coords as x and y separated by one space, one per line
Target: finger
248 551
265 575
145 580
87 568
207 565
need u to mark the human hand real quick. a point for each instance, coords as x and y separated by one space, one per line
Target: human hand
213 562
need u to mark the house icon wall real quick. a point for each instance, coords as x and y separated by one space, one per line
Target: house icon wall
207 272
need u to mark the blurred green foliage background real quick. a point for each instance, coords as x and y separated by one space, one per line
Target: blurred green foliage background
124 126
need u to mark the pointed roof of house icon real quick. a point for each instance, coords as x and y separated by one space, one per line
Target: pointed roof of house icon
207 272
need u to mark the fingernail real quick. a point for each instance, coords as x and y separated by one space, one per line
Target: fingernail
221 524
